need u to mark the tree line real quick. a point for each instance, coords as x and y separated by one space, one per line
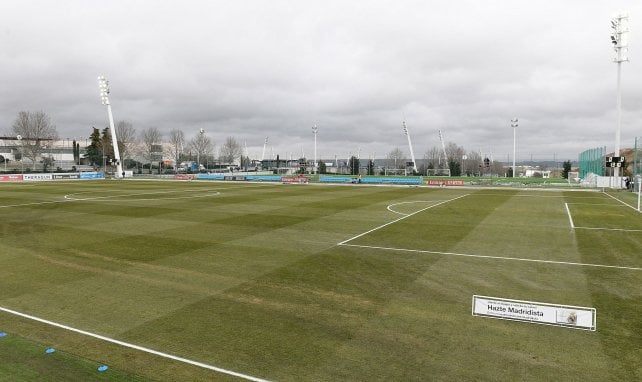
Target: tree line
36 132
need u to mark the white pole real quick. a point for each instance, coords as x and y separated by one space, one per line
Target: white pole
619 45
514 125
114 141
619 122
412 153
639 191
104 94
314 165
264 145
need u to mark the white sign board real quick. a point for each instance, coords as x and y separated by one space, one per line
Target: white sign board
576 317
37 177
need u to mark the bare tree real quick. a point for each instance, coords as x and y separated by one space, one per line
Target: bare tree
202 144
176 143
151 144
454 152
431 159
455 162
472 163
126 136
33 128
396 159
230 151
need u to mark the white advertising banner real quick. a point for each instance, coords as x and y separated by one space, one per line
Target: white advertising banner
36 177
576 317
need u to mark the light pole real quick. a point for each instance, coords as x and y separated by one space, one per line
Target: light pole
314 166
620 47
201 132
103 84
412 153
513 124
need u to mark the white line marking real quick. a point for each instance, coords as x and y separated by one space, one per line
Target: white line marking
71 197
414 201
495 257
626 204
137 347
570 218
401 218
596 204
610 229
33 204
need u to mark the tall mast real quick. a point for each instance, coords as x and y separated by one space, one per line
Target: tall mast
264 146
443 147
412 153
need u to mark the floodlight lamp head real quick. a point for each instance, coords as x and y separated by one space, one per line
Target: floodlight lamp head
103 85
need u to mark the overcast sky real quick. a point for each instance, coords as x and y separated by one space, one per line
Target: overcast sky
356 69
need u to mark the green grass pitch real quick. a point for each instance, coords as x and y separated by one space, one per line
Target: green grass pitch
313 282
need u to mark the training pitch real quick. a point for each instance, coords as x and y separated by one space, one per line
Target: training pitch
181 281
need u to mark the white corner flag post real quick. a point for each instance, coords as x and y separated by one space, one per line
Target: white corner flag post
103 84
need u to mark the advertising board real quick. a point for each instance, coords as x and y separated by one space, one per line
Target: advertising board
37 177
576 317
92 175
444 182
11 178
296 179
73 175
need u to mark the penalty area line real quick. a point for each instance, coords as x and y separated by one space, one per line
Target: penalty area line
401 218
570 218
496 257
136 347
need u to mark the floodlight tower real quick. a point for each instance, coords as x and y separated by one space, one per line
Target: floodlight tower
264 146
201 134
103 84
620 46
314 165
443 147
513 124
412 153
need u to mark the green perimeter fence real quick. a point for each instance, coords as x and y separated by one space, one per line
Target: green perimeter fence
592 161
